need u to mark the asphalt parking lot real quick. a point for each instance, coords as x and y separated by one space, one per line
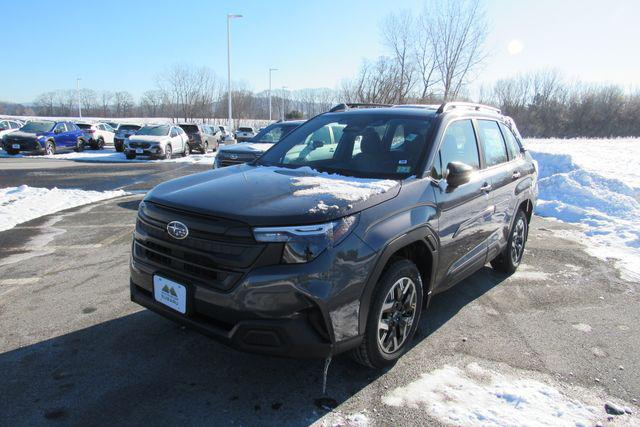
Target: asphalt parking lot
74 350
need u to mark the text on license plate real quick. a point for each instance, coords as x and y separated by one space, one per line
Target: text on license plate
139 151
16 146
170 293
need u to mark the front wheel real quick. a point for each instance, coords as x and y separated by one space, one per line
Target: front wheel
167 152
510 258
205 148
394 316
187 150
79 146
49 148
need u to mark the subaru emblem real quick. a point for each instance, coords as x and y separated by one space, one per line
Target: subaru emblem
233 156
177 230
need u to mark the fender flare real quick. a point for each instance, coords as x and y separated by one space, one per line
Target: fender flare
424 234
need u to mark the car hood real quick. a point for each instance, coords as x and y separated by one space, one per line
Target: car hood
246 147
21 134
147 138
272 196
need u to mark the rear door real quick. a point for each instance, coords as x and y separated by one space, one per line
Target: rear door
464 211
504 175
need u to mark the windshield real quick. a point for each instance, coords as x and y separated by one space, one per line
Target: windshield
274 133
34 127
245 129
160 130
190 128
128 128
360 144
83 126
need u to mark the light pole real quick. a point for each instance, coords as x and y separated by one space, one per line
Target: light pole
230 16
78 95
270 71
283 89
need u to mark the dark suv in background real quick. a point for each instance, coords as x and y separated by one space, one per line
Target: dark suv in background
250 150
338 236
202 137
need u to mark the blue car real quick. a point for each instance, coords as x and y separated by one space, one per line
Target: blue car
44 137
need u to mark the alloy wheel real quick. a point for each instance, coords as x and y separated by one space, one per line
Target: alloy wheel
397 315
517 241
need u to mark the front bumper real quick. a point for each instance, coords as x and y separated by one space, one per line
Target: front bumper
25 146
153 151
298 310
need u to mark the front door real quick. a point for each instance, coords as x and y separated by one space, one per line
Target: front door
464 211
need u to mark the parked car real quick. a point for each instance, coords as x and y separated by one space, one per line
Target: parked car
249 151
158 141
124 131
202 137
97 135
44 137
244 133
8 126
307 255
225 132
113 125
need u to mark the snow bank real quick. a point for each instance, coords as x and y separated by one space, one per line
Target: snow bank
24 203
475 396
112 156
325 187
595 184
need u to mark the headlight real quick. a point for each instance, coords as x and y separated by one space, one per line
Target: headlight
305 242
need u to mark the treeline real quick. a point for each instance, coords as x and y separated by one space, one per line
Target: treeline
544 105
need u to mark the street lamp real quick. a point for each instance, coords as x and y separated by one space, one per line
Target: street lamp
230 16
283 89
78 95
270 71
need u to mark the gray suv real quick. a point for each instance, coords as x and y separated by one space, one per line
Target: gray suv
338 236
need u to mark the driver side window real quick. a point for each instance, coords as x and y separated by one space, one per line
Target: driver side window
60 128
317 146
173 133
458 145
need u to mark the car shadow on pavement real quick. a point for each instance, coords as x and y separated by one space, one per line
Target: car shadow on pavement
143 369
130 204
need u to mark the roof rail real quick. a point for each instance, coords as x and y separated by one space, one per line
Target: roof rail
446 106
349 105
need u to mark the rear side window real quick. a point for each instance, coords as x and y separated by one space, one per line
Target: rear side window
458 145
495 151
14 125
513 148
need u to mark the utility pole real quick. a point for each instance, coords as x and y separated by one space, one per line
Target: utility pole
283 89
270 71
230 16
78 96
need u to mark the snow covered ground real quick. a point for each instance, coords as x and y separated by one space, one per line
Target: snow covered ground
109 155
24 203
594 183
477 396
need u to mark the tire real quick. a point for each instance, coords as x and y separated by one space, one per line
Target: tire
379 348
49 148
130 156
79 146
167 152
187 150
119 148
205 148
13 152
511 257
98 145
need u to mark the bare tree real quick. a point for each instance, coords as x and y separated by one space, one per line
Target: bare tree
397 33
458 31
123 103
425 57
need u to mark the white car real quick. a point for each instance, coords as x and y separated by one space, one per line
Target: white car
97 134
158 141
245 133
8 126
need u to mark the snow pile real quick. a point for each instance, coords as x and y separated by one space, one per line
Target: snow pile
325 186
595 184
337 419
112 156
24 203
475 396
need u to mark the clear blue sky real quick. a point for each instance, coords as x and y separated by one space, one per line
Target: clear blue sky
123 45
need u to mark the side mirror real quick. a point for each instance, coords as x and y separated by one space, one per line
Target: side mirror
458 173
57 131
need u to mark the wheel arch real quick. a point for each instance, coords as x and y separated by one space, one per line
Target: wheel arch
419 246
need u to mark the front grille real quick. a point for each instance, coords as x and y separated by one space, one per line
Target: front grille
139 144
25 143
229 162
216 253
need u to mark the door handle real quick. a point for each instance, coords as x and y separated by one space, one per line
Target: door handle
515 175
486 187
